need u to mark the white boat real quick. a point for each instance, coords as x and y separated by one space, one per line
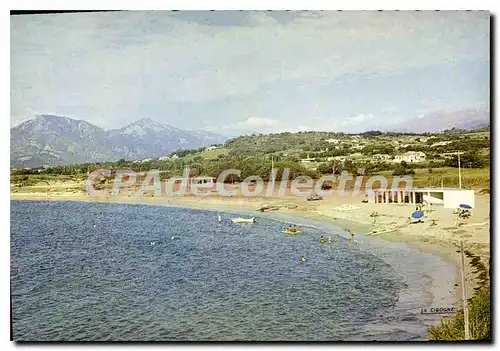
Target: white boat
243 220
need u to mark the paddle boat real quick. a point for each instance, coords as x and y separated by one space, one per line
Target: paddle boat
243 220
291 230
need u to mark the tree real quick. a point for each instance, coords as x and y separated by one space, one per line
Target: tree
468 159
402 169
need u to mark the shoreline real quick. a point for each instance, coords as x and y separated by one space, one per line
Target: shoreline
418 288
238 205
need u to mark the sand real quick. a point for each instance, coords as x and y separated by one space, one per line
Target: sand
347 211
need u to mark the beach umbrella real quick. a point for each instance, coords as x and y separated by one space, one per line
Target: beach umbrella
417 214
468 207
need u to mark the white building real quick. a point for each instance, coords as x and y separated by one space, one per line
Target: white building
163 158
410 156
174 157
451 154
332 141
441 143
356 155
337 158
210 148
381 157
448 197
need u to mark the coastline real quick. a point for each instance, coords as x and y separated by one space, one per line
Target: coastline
413 295
436 243
390 225
296 208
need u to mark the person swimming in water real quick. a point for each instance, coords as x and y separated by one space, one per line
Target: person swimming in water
302 259
351 235
322 240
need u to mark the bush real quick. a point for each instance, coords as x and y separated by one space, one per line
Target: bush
401 170
479 308
479 321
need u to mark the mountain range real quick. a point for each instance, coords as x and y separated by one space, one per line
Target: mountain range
55 140
466 119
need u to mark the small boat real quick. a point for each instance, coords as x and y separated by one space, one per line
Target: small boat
314 197
291 231
243 220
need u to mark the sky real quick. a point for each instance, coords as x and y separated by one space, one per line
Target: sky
238 72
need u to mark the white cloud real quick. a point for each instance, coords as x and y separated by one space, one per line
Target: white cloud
257 125
208 128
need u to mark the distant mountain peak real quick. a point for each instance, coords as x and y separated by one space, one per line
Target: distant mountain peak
147 122
445 119
144 126
54 118
57 140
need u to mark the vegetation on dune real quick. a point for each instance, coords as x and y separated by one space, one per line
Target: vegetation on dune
479 309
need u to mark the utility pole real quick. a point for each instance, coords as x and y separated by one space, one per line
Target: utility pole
464 291
459 172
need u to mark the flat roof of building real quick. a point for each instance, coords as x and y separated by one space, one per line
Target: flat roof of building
438 188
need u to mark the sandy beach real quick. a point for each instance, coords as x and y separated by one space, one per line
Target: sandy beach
442 239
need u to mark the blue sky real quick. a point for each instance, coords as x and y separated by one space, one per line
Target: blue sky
242 72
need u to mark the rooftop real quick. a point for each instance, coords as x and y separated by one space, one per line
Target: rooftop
438 188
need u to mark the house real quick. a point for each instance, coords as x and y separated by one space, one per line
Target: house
210 148
381 157
357 147
442 143
450 155
174 156
332 141
307 160
202 183
309 163
356 155
410 156
163 158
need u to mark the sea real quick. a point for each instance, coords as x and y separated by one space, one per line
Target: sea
90 271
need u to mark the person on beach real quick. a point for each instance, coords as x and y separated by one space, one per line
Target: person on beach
322 240
351 235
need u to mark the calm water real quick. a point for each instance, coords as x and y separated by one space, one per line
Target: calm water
90 273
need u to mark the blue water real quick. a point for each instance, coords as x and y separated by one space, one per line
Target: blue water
89 272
